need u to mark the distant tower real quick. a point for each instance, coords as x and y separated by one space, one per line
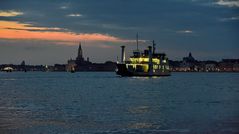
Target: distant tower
190 57
154 47
79 58
23 63
80 53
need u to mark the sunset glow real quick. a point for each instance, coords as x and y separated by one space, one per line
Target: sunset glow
16 30
54 28
10 13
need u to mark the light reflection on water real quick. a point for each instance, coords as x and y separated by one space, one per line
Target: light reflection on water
38 102
6 79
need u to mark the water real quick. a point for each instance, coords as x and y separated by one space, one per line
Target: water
102 103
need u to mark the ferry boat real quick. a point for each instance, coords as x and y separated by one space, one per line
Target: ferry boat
147 63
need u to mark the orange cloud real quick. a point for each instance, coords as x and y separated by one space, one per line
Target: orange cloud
16 30
19 26
10 13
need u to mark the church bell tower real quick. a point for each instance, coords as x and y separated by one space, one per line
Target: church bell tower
79 57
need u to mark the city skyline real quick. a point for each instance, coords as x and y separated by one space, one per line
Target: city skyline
48 32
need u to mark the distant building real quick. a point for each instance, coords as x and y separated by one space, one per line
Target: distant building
189 63
23 63
80 64
22 67
229 65
80 59
71 65
175 66
209 66
59 67
189 59
236 67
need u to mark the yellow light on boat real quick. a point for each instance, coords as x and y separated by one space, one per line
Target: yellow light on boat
156 61
139 60
144 59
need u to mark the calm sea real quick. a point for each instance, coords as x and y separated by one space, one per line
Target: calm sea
102 103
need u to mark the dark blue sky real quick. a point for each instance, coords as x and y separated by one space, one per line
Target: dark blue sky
207 28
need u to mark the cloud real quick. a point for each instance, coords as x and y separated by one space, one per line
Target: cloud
228 3
185 31
14 25
10 13
230 19
74 15
10 30
64 7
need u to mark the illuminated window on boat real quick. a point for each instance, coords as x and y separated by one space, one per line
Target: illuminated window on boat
138 67
145 60
155 67
139 60
146 68
156 61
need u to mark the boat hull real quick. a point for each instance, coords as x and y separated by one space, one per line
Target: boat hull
123 71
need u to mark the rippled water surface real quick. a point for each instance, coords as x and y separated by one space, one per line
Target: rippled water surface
187 103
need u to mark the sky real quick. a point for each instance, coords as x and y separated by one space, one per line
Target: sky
49 31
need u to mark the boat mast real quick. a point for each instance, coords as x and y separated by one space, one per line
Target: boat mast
150 61
137 41
154 47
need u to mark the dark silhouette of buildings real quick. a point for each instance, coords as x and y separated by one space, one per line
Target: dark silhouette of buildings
190 64
187 64
80 59
190 58
25 68
80 64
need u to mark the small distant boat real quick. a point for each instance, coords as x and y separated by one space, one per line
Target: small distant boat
147 63
8 69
